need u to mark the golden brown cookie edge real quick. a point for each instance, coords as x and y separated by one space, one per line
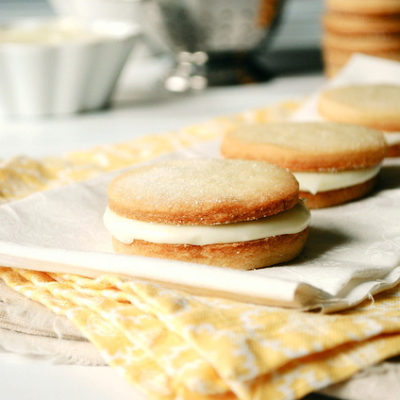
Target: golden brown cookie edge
211 213
363 7
221 213
393 151
240 255
297 161
339 196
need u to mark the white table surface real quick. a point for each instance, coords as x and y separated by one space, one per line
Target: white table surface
23 378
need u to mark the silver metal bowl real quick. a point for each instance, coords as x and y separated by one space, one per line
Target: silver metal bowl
213 25
204 35
213 39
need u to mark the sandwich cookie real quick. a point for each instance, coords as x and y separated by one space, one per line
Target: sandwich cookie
334 56
333 163
365 7
373 106
334 59
372 43
230 213
351 24
346 33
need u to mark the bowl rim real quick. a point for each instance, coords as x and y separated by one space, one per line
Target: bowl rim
112 31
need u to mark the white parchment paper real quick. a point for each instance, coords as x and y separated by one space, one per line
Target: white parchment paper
353 250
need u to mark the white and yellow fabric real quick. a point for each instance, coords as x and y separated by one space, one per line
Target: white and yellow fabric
172 345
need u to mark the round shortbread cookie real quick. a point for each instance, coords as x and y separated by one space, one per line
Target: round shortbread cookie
337 58
338 196
362 43
369 7
313 146
239 255
360 24
375 106
203 192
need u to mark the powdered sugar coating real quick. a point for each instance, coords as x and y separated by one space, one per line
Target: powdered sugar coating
313 136
203 191
312 146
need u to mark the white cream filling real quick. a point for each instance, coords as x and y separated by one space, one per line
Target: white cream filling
315 182
392 138
127 230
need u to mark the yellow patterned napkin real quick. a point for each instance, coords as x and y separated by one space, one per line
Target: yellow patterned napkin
172 345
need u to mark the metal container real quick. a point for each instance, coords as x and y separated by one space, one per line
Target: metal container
212 40
214 25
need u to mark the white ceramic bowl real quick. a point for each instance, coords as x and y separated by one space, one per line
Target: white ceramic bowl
143 13
60 66
121 10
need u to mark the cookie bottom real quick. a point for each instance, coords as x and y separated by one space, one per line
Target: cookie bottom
240 255
338 196
393 151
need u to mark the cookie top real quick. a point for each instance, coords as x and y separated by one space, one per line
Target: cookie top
375 106
370 7
203 192
309 146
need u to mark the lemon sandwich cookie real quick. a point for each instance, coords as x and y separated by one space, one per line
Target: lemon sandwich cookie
333 163
335 57
374 106
365 7
356 24
231 213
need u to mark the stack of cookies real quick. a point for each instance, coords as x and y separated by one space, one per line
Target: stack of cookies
360 26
